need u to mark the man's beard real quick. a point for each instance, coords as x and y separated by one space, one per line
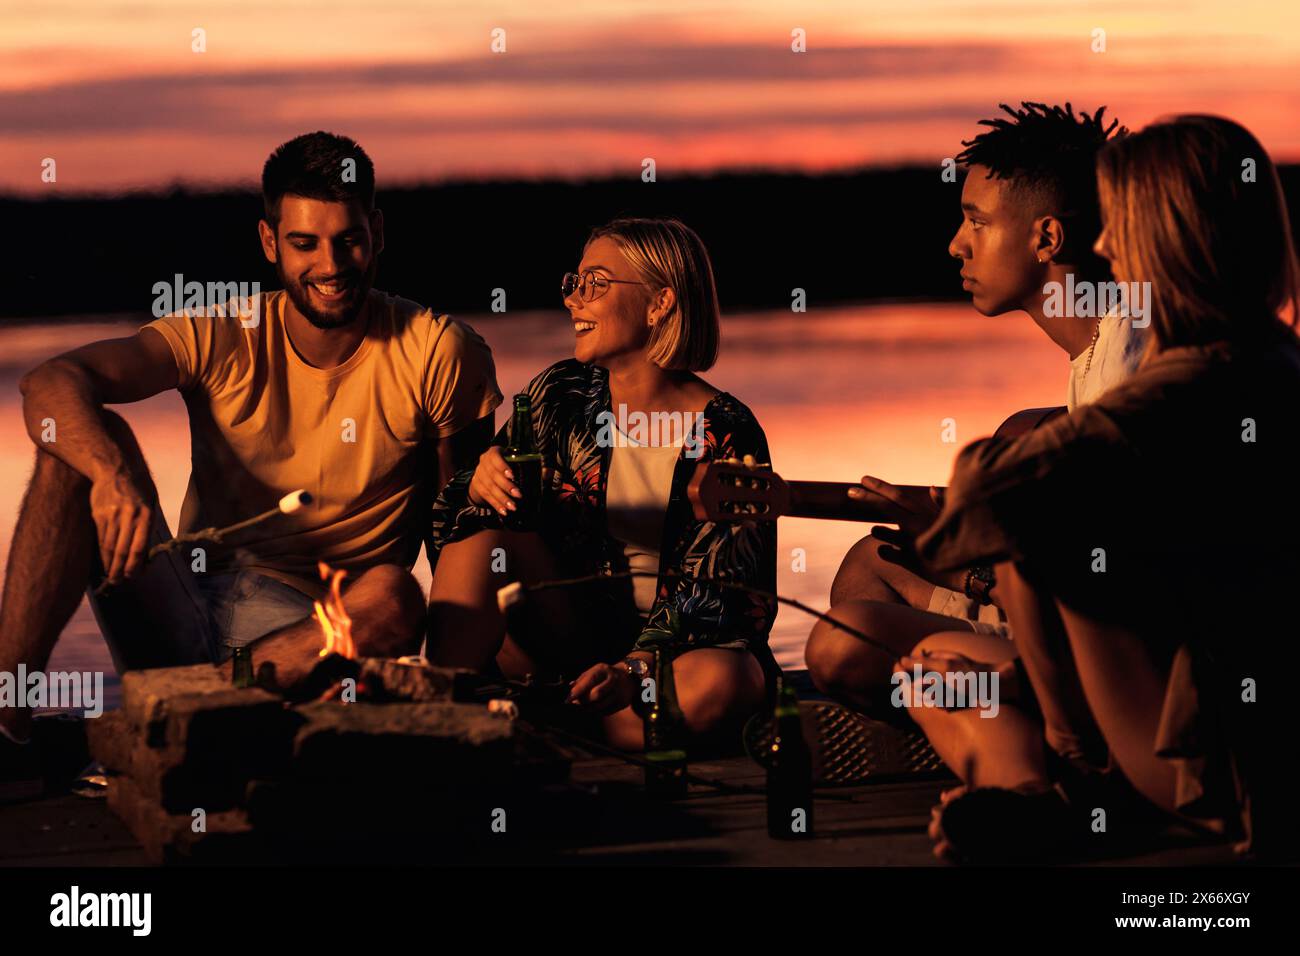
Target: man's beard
338 314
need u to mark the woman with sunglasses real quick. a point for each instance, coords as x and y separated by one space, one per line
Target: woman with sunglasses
645 319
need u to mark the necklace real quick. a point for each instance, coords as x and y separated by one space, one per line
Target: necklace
1092 347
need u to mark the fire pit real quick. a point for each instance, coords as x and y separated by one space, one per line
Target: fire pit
201 770
357 754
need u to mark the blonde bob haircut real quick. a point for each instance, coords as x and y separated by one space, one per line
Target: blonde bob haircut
666 253
1194 206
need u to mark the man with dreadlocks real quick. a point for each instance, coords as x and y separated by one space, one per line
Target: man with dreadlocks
1029 221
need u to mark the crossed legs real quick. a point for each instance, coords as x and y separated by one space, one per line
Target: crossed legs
716 687
884 600
386 607
1098 686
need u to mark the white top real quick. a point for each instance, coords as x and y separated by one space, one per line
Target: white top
636 501
1116 356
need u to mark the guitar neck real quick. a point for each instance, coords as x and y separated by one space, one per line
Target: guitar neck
830 499
737 491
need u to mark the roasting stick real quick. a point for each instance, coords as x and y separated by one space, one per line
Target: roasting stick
512 597
512 594
290 503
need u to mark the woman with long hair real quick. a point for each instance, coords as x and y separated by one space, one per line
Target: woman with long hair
1151 632
614 508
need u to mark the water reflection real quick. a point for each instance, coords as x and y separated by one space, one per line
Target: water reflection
839 392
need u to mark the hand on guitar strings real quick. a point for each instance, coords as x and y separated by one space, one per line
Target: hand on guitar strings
912 509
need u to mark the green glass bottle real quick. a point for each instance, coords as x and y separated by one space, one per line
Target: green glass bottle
789 772
525 462
241 674
665 733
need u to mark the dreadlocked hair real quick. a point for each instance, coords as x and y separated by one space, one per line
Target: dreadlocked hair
1048 155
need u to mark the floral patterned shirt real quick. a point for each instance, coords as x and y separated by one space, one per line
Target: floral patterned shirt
568 400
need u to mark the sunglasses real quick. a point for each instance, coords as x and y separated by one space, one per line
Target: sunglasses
590 285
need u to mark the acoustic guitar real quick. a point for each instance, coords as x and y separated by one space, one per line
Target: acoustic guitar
732 490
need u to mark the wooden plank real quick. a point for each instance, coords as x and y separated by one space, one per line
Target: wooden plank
67 830
882 824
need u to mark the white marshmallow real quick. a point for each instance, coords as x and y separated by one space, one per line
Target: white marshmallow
509 596
294 500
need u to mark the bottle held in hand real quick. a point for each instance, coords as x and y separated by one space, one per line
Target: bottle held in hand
525 462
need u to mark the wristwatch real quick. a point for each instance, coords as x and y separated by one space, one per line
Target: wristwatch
979 582
637 667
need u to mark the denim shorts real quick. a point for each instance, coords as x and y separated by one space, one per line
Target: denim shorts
168 615
245 605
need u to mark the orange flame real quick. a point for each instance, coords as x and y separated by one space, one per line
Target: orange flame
332 618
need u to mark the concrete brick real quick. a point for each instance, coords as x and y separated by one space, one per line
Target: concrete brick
394 680
164 701
433 743
170 837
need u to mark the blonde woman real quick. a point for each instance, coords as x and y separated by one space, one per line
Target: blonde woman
645 317
1153 630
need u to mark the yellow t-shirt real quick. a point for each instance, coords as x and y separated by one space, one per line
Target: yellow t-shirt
360 437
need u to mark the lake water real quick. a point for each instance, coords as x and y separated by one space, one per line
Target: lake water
840 392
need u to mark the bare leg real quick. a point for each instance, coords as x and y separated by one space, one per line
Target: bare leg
387 612
715 686
1124 680
54 551
466 628
880 598
865 576
1107 680
1007 752
844 666
1045 650
717 689
1002 751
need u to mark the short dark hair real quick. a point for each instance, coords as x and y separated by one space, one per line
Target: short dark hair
1049 156
311 165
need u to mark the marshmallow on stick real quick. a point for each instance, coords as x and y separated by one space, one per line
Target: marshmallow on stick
293 501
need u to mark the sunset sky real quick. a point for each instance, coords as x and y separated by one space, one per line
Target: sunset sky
114 93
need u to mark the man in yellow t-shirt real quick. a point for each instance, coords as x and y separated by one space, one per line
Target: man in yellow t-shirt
367 401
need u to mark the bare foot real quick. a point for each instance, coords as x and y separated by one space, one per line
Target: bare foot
955 668
942 849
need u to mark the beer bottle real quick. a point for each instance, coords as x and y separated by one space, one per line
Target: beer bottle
789 772
665 729
525 463
241 672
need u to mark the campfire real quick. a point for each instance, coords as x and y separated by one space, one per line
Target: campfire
339 667
333 618
409 738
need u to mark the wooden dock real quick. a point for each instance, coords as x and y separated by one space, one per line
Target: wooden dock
872 824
